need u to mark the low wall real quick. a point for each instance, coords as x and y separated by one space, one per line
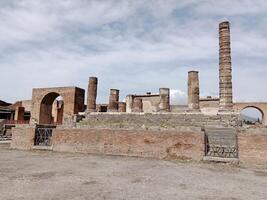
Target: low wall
22 137
173 144
253 146
155 144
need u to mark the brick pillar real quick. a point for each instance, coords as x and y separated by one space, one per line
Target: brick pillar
225 71
113 100
193 90
92 94
164 104
19 113
122 107
137 105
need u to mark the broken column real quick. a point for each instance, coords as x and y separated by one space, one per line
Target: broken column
137 105
225 71
113 100
193 90
164 104
92 94
129 103
122 107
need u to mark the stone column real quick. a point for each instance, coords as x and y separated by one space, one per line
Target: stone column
92 94
113 100
193 90
129 103
137 105
164 104
122 107
225 71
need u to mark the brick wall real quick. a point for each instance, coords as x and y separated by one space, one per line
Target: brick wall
142 143
23 137
253 146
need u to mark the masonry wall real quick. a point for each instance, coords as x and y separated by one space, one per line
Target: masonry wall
142 143
22 137
156 121
253 146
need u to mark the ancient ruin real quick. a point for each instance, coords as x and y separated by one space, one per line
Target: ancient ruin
145 125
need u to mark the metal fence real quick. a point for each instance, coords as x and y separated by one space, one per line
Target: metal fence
43 135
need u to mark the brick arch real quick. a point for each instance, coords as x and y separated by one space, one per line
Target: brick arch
45 116
43 98
262 107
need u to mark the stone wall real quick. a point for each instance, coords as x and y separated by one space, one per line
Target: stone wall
156 121
253 146
209 106
155 144
23 137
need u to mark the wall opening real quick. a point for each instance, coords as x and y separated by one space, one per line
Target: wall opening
252 115
52 109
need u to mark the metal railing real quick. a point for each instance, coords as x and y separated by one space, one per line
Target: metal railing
43 135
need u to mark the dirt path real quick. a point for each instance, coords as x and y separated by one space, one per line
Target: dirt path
49 175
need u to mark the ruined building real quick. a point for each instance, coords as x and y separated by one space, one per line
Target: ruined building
146 125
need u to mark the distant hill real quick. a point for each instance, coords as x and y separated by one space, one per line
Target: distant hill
248 118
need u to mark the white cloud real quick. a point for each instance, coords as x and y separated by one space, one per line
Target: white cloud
136 46
177 97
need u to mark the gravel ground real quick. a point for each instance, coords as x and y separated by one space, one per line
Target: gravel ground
49 175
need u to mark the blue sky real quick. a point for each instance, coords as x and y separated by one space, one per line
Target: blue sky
135 46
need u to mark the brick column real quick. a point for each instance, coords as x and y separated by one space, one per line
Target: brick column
193 90
19 113
225 71
92 94
113 100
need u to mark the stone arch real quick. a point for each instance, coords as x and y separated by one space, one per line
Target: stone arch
262 107
257 108
43 98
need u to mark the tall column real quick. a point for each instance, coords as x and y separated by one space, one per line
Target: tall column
225 71
113 100
164 104
193 90
92 94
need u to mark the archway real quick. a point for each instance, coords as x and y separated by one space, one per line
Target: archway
51 109
252 115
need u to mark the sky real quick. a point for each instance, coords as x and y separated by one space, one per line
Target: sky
135 46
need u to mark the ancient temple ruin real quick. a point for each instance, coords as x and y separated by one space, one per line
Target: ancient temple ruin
145 125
